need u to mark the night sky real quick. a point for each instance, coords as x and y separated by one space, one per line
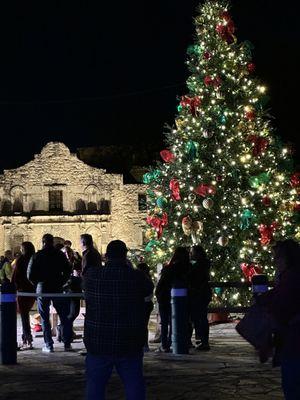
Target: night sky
104 72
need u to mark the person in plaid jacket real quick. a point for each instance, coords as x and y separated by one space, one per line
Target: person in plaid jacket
114 331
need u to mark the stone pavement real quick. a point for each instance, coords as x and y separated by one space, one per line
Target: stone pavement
229 371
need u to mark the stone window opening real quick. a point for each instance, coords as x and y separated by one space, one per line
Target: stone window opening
142 202
18 205
55 200
80 206
104 207
17 199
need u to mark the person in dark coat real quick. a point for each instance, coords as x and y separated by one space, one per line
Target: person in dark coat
176 271
24 304
199 296
148 302
90 256
49 270
114 328
282 303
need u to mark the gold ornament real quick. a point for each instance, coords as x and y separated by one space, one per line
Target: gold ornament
207 134
191 227
150 234
287 206
192 197
207 203
179 123
187 224
223 241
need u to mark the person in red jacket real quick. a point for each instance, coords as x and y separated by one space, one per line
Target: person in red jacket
24 304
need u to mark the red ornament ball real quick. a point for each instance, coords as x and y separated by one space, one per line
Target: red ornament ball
266 201
251 67
207 55
219 178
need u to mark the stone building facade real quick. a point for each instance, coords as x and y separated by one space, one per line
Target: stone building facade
59 194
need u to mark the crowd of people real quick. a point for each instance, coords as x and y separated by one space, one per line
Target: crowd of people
58 268
119 302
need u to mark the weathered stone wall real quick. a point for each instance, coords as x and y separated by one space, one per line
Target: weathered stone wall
24 197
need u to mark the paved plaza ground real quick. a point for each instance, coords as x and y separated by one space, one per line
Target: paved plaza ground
229 371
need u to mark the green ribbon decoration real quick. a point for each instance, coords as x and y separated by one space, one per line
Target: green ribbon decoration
246 219
194 50
218 291
150 245
191 150
258 180
151 176
150 193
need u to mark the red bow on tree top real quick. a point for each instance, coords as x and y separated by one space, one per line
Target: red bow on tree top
260 144
192 102
158 223
249 270
205 190
226 28
266 233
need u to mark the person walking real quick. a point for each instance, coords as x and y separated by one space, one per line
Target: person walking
199 296
148 303
282 302
176 271
49 270
24 304
114 330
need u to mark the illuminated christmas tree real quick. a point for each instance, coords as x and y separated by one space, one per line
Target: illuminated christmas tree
226 182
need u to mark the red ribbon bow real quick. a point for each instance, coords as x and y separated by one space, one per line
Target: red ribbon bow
192 102
249 270
216 82
174 187
167 156
295 179
205 190
260 144
226 28
158 223
266 233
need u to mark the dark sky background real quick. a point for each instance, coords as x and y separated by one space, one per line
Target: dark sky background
104 72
